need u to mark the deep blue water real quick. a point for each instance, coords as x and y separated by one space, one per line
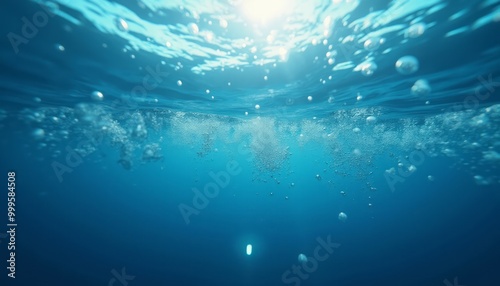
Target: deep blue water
152 141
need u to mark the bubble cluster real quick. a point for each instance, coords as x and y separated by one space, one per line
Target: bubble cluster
368 68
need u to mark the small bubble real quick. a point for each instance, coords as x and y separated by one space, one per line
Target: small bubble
122 25
415 30
368 68
60 47
371 119
223 23
372 44
179 83
257 106
38 134
421 88
407 65
97 96
309 98
342 216
193 28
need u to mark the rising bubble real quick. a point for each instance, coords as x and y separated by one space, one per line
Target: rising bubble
407 65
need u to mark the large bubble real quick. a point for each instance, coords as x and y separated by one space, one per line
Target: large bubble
407 65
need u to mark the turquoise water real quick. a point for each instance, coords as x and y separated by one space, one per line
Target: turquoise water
347 142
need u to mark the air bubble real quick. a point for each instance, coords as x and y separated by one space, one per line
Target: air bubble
97 96
407 65
421 88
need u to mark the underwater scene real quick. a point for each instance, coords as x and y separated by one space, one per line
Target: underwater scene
250 142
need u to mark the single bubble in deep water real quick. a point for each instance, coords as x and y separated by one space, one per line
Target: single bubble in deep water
302 258
407 65
342 216
38 134
97 96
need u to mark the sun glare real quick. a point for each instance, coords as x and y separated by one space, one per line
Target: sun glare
263 11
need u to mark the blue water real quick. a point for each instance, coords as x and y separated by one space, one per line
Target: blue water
152 141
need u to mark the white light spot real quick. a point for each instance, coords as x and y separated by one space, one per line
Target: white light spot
249 249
